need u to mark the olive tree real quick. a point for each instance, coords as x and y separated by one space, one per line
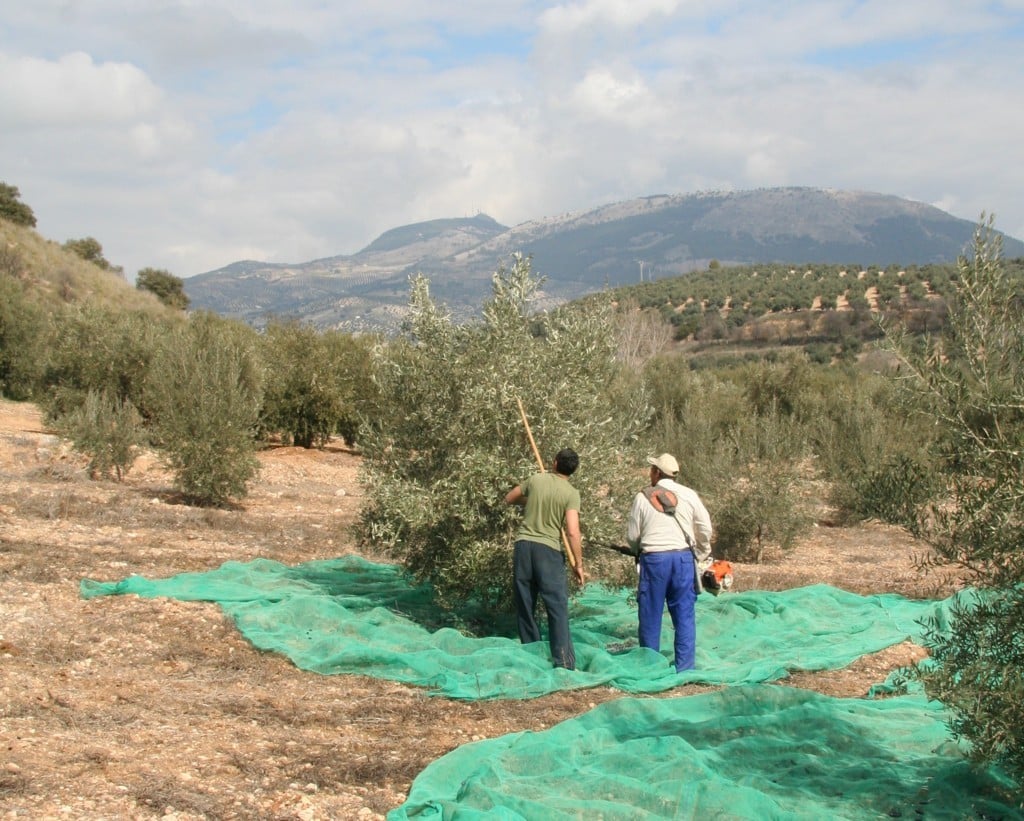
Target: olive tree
24 333
448 442
13 209
166 287
315 382
970 383
89 249
205 392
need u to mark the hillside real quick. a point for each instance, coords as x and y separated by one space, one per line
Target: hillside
650 238
57 276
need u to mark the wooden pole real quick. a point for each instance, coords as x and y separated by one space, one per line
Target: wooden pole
540 464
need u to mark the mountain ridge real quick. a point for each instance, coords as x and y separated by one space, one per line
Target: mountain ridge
583 251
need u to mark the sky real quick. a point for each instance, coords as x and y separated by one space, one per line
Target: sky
185 135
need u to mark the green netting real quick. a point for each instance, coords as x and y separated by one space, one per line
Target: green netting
753 752
349 615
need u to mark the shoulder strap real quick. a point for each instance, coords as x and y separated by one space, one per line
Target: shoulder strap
662 500
665 501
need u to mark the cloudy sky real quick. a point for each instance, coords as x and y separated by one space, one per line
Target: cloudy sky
189 134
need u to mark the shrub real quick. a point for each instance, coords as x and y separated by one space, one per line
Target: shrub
743 464
166 287
970 382
873 449
302 395
13 209
206 392
763 507
108 430
317 384
90 250
99 349
24 332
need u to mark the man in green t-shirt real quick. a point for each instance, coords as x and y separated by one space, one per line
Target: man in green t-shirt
538 563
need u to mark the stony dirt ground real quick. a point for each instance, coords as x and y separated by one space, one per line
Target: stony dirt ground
121 707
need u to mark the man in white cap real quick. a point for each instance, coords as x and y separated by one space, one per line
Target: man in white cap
671 529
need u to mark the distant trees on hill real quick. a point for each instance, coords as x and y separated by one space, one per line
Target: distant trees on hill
89 249
169 289
749 303
13 209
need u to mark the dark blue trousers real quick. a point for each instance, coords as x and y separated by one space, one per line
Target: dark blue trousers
539 571
668 578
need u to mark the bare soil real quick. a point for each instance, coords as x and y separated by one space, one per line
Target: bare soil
120 707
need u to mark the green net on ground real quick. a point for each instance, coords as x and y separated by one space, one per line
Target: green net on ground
349 615
752 752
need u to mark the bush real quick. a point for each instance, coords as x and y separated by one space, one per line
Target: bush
874 450
970 382
90 250
303 395
108 430
206 392
24 333
166 287
101 350
976 669
763 507
447 442
318 384
13 209
745 465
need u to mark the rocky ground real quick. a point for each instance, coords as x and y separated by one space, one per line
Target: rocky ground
120 707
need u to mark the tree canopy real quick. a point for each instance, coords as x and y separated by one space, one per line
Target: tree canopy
13 209
447 442
169 289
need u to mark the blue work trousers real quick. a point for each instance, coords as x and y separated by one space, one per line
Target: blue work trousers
539 570
668 578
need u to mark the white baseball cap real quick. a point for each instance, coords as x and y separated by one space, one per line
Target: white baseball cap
666 463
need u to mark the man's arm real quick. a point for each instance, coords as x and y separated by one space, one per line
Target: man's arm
701 529
633 528
575 538
515 496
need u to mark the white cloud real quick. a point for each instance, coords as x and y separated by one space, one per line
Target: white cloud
569 17
188 135
73 91
602 94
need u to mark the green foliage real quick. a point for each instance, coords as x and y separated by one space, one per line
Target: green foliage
205 392
315 383
761 508
736 447
873 449
970 382
976 668
447 443
776 303
107 429
13 209
169 289
98 349
351 356
90 250
24 332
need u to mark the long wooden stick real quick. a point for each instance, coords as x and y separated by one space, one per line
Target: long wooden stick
540 464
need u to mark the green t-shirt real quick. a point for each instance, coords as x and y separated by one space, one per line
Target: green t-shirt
548 496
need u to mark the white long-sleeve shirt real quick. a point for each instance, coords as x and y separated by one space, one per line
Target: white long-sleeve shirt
652 531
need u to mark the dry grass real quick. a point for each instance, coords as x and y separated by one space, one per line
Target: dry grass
56 275
121 707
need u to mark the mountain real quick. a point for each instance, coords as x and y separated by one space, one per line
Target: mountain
579 253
